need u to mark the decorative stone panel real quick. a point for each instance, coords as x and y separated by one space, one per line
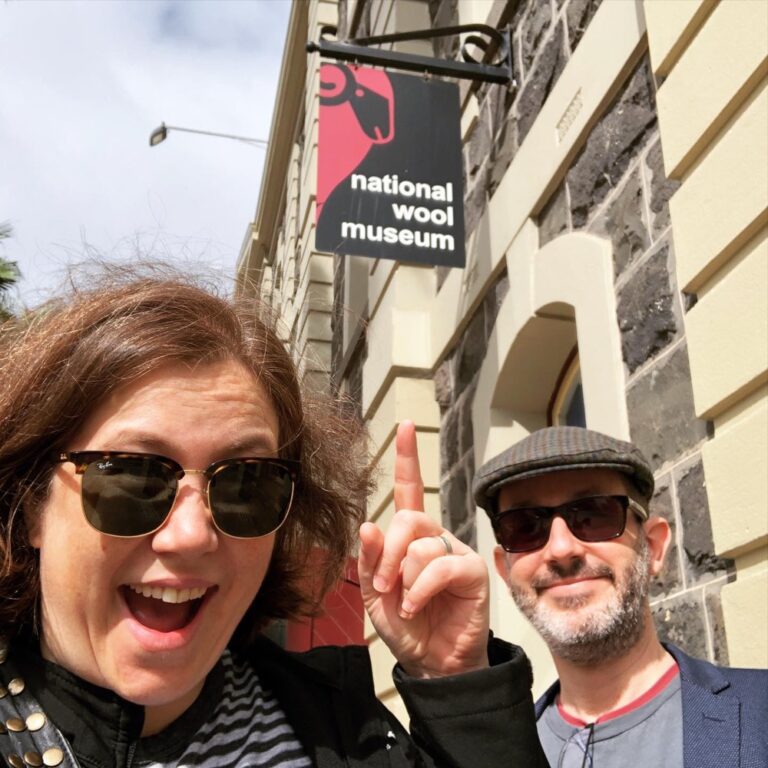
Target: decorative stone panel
612 145
455 511
466 434
624 223
662 190
503 128
479 145
555 218
498 99
444 13
471 352
578 16
698 545
533 29
714 608
662 420
449 439
645 311
443 388
669 579
538 86
475 201
504 150
681 621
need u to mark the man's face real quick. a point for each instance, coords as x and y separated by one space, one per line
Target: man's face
587 600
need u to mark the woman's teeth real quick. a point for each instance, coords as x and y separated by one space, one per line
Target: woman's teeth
169 594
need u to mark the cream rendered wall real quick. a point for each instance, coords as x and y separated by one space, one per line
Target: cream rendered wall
713 115
475 11
673 25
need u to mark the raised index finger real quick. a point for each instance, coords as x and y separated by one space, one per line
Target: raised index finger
409 488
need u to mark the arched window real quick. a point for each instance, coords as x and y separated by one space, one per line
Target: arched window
566 407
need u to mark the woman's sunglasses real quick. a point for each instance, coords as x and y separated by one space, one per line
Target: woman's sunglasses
131 494
595 518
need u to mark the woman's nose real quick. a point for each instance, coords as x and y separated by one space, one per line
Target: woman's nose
189 529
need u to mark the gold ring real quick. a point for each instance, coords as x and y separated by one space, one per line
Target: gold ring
446 543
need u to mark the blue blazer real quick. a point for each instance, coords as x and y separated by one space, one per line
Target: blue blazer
725 713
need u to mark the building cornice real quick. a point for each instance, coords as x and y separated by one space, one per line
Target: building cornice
260 233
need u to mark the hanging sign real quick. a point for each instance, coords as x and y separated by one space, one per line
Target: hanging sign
389 177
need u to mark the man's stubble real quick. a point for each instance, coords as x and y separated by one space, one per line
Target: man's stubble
602 632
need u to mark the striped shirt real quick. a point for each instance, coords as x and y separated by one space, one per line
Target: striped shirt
247 728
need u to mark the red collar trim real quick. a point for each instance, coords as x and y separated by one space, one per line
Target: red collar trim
640 701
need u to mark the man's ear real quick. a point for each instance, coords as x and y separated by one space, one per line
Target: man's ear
658 534
500 561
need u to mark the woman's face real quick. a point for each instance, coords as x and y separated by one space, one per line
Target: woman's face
95 622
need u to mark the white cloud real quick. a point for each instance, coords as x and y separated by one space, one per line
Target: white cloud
82 84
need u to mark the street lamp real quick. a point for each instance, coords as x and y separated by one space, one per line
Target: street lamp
160 134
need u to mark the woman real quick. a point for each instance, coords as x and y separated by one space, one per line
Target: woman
163 485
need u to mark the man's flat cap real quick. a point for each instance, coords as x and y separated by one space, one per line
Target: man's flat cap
555 449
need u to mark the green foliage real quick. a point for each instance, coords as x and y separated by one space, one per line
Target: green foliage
9 272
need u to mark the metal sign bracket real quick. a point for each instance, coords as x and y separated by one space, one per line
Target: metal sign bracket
497 47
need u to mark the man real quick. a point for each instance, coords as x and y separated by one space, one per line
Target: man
578 548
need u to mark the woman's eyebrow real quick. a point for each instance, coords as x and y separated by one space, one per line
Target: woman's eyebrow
258 442
145 441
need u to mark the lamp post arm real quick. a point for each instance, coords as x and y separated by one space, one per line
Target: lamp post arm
159 134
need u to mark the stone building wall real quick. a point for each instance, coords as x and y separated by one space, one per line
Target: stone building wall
714 130
615 188
564 169
565 189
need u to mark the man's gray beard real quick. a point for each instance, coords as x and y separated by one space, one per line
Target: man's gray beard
602 634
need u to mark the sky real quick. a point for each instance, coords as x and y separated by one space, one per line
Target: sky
82 86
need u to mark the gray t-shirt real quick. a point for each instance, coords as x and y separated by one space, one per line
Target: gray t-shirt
647 735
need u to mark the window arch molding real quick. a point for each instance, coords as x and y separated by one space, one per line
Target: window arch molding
559 295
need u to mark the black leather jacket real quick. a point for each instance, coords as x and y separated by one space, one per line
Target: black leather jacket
479 719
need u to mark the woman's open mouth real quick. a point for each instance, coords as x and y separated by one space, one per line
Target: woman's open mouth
163 609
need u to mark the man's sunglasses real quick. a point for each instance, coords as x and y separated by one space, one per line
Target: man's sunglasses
595 518
131 494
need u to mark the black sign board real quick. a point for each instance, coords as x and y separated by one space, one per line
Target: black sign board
389 179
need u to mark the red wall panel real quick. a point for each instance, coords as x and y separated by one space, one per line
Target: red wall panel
341 622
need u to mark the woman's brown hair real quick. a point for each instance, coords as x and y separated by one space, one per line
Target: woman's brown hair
63 359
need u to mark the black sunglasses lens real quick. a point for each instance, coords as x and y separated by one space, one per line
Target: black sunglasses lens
523 530
127 495
598 518
250 498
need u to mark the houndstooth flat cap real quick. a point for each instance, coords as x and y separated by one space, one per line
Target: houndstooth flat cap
561 448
